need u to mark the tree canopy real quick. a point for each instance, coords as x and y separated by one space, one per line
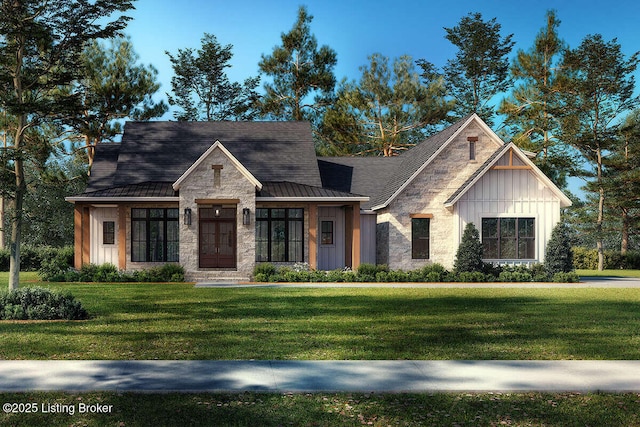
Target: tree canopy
202 89
41 44
301 74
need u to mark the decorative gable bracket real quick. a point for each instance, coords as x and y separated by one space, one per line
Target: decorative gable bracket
218 146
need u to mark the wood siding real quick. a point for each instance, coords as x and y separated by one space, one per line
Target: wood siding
510 194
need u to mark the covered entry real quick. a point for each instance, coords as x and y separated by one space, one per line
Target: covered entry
217 237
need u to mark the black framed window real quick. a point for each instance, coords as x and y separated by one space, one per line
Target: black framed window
154 234
420 238
508 238
326 232
279 235
109 233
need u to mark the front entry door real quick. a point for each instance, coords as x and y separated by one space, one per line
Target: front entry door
217 238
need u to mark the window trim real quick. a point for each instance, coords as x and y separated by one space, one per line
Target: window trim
517 237
147 220
287 219
414 220
108 233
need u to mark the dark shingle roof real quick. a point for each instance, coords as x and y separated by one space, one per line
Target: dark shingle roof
413 159
359 175
162 151
104 167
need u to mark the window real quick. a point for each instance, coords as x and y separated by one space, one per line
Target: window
326 232
154 235
279 235
472 147
420 238
108 233
508 238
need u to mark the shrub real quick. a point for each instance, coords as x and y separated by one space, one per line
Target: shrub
265 268
4 259
40 304
559 256
562 277
469 276
515 276
260 277
469 253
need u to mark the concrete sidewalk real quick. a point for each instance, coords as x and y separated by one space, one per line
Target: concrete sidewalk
319 376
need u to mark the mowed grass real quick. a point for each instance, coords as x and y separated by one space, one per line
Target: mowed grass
324 409
178 321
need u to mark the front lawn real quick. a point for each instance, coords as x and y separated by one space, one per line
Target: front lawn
329 409
178 321
609 273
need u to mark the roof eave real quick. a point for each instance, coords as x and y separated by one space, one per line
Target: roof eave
89 199
311 199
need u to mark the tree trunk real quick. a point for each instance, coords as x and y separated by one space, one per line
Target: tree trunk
16 223
624 246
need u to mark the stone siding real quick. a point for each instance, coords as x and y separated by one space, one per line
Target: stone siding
199 184
426 194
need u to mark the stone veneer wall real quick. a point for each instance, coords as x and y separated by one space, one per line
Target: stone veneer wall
233 185
426 195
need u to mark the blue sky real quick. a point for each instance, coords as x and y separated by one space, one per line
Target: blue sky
357 28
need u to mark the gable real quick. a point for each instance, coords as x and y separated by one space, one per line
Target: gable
419 158
508 165
214 151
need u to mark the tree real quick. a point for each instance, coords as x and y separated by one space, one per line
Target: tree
623 178
41 43
559 255
599 87
387 110
533 111
480 69
469 253
202 89
113 87
299 70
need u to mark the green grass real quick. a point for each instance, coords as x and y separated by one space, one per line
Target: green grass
322 409
609 273
178 321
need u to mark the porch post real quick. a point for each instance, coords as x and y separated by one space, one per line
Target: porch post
313 235
77 236
355 235
122 237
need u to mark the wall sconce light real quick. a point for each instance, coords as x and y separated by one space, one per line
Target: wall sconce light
187 216
246 216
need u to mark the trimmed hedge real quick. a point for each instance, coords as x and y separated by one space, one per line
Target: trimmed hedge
434 273
587 259
33 258
40 304
109 273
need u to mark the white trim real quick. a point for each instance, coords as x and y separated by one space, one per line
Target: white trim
564 200
312 199
474 117
236 163
87 199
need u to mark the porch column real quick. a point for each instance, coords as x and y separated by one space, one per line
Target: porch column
313 235
355 236
81 244
122 237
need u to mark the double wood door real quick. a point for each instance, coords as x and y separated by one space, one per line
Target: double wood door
217 237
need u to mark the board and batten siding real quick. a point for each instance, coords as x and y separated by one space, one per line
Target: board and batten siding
510 194
101 253
368 238
331 256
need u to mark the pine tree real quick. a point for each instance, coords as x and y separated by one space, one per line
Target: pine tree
299 70
469 254
559 255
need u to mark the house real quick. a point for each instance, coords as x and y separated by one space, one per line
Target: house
219 197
